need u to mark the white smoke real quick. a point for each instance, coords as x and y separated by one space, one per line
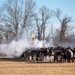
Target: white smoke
38 44
49 44
16 48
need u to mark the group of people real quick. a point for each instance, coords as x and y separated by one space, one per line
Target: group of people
52 54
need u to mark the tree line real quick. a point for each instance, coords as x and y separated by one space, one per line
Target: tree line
19 16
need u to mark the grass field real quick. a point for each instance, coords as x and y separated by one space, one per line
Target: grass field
12 67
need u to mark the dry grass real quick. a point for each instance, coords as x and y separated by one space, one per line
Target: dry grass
23 68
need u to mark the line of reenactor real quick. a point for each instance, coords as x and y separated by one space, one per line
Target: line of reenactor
52 54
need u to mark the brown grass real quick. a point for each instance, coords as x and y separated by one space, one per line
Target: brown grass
23 68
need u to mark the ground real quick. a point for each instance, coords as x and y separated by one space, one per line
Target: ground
13 67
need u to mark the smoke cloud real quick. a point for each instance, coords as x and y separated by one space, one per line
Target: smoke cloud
16 48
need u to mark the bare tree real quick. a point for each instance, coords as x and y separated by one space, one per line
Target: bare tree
13 15
1 14
19 14
46 14
43 20
64 23
39 28
28 11
1 25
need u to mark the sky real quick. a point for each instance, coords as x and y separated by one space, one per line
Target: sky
67 6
